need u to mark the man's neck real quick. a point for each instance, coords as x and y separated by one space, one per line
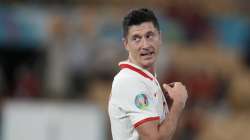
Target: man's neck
151 69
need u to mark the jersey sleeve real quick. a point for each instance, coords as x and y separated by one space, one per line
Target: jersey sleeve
134 98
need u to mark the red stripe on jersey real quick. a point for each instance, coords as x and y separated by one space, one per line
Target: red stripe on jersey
136 70
146 120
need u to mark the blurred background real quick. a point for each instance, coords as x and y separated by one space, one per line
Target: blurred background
58 59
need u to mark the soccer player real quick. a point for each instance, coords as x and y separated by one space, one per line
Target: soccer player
137 105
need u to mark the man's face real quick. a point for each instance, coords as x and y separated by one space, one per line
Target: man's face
143 42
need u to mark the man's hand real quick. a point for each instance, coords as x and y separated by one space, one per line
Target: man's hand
154 130
178 93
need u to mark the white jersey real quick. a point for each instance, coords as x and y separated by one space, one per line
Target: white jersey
136 97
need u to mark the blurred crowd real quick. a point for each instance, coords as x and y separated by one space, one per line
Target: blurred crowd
71 53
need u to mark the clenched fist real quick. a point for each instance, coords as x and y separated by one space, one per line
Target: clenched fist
177 92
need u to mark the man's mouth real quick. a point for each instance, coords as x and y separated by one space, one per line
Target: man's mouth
147 53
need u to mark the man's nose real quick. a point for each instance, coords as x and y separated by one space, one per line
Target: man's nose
145 43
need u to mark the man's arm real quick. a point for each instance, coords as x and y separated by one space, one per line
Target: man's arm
153 130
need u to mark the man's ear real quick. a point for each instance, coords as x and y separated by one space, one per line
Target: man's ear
125 43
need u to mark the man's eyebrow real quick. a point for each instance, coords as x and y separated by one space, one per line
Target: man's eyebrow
150 32
135 35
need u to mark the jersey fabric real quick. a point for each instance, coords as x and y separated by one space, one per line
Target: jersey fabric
136 97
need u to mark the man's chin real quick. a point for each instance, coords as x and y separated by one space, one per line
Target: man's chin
148 63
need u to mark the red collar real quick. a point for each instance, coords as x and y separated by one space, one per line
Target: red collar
134 68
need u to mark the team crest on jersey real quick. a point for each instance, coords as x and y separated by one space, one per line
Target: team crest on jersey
141 101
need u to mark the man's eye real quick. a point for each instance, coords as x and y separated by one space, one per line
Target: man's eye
150 35
136 38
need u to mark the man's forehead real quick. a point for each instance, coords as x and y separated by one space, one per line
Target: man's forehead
142 28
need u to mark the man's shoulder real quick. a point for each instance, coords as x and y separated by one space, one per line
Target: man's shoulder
126 85
127 80
126 75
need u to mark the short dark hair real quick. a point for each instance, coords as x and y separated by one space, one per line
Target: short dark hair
137 17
